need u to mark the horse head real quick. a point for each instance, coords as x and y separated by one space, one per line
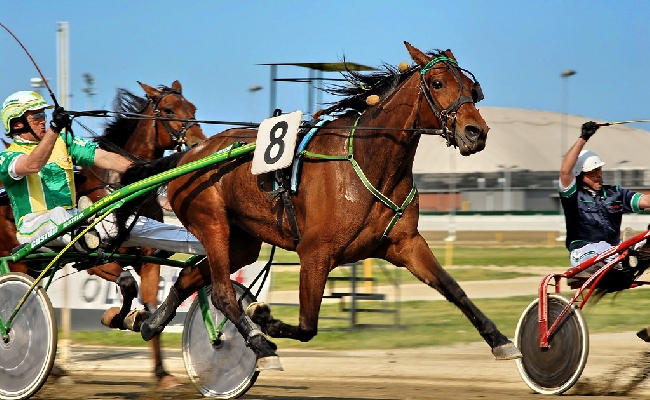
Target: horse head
174 117
452 97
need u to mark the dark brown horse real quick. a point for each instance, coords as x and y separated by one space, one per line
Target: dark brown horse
340 218
145 138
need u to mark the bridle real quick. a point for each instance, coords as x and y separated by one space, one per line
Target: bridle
178 136
446 116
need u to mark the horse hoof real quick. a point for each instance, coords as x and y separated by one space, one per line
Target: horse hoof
269 364
506 351
135 318
148 331
643 335
259 312
110 318
168 382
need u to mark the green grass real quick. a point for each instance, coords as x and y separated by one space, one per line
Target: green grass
463 255
288 280
422 323
386 274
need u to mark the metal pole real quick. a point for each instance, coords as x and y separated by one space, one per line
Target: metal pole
274 76
63 95
563 146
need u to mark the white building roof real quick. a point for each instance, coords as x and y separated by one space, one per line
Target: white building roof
530 140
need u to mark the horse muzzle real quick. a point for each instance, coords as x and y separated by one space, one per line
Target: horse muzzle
470 140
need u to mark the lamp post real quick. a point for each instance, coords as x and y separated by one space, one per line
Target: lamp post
507 205
565 107
617 172
89 89
252 90
565 110
37 84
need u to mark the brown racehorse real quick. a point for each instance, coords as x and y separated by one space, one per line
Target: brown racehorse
345 208
145 140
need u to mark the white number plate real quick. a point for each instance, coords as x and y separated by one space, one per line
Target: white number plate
276 142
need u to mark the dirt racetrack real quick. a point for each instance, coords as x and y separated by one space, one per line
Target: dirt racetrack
458 372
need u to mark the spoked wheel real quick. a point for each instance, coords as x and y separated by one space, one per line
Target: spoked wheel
556 369
223 370
27 355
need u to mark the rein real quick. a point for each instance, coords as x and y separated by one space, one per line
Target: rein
443 115
178 136
399 210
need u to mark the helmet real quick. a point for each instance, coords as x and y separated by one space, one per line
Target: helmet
587 161
15 106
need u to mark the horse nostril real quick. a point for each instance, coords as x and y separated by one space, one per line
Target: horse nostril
473 132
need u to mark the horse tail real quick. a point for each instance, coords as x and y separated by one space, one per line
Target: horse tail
143 169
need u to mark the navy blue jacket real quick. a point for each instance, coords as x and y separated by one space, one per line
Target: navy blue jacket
592 217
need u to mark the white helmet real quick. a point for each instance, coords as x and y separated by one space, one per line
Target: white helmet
18 103
587 161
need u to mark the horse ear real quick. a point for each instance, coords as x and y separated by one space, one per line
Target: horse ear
177 86
151 92
449 54
419 57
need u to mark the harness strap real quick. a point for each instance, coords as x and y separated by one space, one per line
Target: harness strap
399 210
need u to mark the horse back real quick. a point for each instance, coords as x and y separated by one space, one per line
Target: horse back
331 203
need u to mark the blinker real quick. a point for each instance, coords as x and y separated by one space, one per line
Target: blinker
477 92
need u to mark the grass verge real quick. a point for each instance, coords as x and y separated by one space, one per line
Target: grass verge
421 323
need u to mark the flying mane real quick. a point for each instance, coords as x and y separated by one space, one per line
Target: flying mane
360 86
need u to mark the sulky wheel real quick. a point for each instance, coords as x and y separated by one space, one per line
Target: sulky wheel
556 369
222 370
27 353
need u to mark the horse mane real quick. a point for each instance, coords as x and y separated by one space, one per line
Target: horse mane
359 86
120 128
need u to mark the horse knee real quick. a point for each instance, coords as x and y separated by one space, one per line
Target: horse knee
305 335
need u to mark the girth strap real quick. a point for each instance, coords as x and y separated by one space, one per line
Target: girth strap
399 210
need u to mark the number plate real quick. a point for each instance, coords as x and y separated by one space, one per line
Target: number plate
276 143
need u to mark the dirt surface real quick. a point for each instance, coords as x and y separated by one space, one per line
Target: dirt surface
456 372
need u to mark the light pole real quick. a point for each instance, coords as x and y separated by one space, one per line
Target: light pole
37 84
89 80
507 205
565 110
252 90
565 107
617 172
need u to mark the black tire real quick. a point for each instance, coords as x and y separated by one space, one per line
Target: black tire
27 357
556 369
224 371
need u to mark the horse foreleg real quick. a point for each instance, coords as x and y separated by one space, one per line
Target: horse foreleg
189 281
417 258
312 286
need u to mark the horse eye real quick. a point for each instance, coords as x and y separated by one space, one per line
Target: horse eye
168 110
436 84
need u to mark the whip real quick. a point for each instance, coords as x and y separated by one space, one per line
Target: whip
623 122
56 104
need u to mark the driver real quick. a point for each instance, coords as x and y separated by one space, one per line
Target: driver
37 171
593 211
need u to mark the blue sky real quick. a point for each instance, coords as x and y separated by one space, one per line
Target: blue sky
516 49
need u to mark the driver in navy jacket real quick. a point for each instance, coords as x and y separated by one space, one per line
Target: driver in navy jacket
593 211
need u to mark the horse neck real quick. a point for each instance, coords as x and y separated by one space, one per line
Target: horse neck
143 142
395 147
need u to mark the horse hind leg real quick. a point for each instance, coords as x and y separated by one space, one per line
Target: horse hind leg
264 349
260 313
189 281
121 317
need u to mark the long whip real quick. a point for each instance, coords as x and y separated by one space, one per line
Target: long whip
623 122
56 104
